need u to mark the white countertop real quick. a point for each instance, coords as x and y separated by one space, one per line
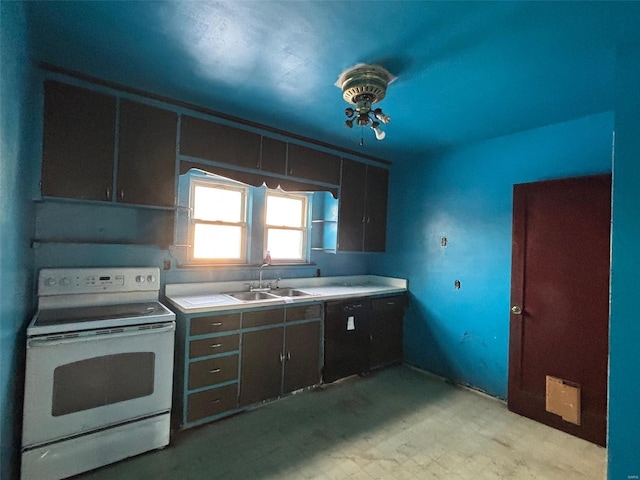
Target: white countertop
208 297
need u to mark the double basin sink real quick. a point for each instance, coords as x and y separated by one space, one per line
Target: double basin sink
270 295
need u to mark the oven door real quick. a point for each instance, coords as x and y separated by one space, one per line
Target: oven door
80 383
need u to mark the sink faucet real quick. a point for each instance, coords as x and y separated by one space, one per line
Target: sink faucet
260 288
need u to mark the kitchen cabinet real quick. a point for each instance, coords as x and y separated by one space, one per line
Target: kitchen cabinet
206 369
262 361
301 356
79 157
274 156
228 360
281 359
387 314
362 334
220 143
310 164
362 216
146 155
78 142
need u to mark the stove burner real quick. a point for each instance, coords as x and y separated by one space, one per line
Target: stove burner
61 316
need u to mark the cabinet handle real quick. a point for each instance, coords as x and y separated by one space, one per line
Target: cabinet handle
215 324
215 370
122 194
217 400
288 356
368 218
363 219
107 193
281 357
291 171
215 345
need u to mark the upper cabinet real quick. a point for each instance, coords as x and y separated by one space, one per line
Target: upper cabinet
147 155
362 216
310 164
220 143
274 156
78 143
79 158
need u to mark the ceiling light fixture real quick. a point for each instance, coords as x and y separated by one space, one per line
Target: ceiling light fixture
364 86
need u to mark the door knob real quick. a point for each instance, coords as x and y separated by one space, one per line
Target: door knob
516 310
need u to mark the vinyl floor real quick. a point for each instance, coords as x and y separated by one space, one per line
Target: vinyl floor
398 423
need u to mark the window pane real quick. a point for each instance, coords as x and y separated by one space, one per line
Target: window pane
285 244
284 211
217 241
217 204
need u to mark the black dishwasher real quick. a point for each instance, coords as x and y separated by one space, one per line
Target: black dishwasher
346 338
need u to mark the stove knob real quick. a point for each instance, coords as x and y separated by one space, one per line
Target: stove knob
65 282
151 278
50 282
139 279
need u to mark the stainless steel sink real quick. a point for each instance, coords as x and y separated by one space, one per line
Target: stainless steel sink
290 292
250 296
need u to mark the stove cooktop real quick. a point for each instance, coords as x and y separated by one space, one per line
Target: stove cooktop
58 320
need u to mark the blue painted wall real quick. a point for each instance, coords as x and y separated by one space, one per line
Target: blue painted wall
624 332
16 223
465 195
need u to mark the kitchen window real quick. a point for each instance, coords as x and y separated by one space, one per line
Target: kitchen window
286 226
219 221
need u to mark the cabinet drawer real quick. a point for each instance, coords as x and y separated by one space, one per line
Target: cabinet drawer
214 324
305 312
214 345
388 303
212 402
260 318
213 371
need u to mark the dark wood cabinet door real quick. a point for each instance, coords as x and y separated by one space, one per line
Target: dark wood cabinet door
375 224
310 164
351 206
274 156
220 143
78 143
261 377
302 356
146 155
386 330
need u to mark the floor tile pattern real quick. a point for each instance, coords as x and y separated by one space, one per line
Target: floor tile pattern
398 423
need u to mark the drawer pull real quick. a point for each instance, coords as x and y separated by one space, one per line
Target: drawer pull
215 370
217 400
215 324
215 345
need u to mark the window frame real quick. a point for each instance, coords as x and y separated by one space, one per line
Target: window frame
304 228
223 184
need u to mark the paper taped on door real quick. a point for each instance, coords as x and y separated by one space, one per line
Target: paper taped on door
563 398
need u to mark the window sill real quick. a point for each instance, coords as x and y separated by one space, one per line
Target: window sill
243 265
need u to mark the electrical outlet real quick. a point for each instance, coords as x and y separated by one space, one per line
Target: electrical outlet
167 265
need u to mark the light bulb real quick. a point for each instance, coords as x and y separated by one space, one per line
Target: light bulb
379 133
380 115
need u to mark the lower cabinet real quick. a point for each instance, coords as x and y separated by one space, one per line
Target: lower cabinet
362 334
279 360
227 361
387 315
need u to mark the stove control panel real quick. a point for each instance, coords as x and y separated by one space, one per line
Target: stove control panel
64 281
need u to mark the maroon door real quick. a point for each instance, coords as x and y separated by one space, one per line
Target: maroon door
560 299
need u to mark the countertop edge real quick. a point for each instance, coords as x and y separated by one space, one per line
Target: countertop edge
381 291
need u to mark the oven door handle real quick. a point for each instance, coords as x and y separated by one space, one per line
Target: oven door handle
86 336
